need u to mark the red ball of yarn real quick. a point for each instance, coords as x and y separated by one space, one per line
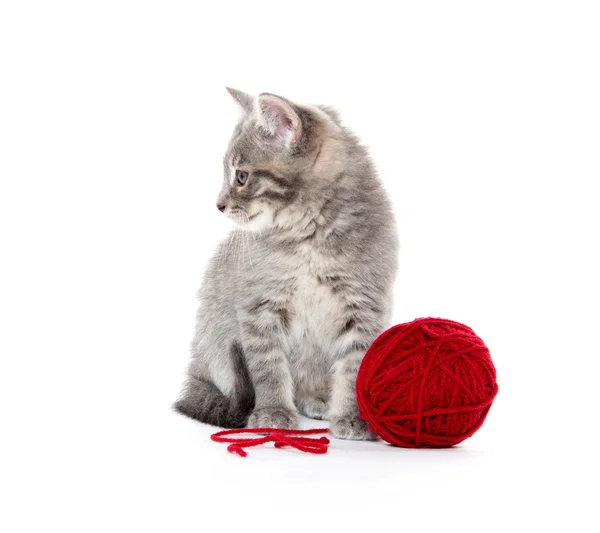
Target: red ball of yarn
428 383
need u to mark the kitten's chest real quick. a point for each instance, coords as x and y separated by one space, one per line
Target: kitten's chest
316 309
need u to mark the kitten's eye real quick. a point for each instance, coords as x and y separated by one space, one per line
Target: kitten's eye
241 176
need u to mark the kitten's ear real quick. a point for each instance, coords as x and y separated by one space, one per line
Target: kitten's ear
245 100
278 117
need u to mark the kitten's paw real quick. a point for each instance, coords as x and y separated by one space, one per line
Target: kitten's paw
316 408
351 428
273 417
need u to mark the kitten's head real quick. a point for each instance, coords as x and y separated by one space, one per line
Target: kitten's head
273 159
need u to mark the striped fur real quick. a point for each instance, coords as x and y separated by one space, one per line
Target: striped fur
301 287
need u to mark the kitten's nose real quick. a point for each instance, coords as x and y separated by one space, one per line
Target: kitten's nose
221 207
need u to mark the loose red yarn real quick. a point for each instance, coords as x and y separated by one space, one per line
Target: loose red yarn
428 383
281 438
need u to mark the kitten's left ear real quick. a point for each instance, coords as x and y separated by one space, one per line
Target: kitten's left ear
278 117
245 100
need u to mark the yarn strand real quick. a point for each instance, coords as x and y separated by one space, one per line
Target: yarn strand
280 437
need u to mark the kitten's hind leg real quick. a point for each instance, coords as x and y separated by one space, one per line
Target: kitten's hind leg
312 395
204 401
314 406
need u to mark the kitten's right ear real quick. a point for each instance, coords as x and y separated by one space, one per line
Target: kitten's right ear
245 100
279 118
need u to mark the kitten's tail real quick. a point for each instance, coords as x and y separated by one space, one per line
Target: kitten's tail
203 401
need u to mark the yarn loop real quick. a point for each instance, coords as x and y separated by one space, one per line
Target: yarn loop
280 438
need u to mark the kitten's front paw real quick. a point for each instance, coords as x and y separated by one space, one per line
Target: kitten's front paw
273 417
351 428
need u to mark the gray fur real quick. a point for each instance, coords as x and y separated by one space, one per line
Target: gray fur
302 286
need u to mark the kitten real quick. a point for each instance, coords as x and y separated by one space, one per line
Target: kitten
303 285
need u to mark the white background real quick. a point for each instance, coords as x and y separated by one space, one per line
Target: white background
484 121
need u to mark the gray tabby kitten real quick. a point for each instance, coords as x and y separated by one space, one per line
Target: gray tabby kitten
303 285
